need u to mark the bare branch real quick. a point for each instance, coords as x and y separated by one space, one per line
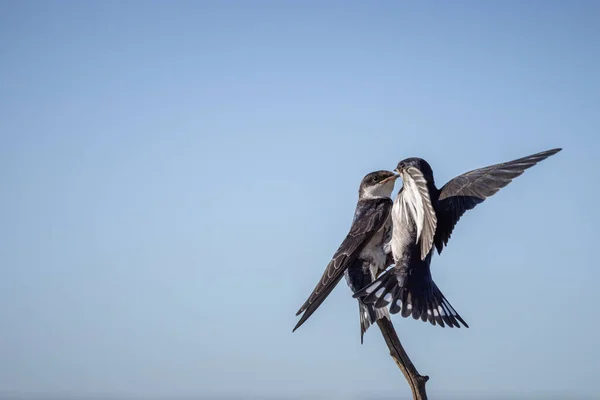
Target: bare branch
415 380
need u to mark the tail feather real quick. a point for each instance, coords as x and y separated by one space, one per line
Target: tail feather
436 314
411 295
369 315
452 311
426 308
407 305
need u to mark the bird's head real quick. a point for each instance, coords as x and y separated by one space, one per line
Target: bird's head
377 184
417 163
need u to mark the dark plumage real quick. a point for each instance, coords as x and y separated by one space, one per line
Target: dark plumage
423 217
361 254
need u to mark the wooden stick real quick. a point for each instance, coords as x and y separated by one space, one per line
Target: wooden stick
415 380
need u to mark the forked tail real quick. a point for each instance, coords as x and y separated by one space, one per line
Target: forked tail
411 294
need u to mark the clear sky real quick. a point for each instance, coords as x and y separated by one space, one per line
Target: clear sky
175 176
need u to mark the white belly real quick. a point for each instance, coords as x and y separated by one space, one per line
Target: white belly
374 251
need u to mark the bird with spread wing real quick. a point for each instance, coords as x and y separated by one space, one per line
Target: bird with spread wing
423 218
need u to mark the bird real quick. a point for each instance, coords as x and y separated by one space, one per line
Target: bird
424 217
361 256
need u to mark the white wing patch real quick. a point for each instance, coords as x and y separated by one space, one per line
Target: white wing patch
416 202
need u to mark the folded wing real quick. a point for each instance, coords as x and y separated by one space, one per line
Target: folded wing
368 219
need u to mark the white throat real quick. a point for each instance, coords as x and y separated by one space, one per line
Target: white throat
378 191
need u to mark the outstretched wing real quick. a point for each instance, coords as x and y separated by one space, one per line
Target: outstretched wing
471 188
369 218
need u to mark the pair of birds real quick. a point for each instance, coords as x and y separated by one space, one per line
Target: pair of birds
404 233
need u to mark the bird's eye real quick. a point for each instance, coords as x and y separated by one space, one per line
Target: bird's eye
375 179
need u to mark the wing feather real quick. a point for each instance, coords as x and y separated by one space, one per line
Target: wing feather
368 219
415 200
471 188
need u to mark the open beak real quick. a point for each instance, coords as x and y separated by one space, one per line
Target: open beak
393 177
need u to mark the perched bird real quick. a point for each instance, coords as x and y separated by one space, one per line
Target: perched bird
424 216
361 256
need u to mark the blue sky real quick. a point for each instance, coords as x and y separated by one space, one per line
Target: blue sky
175 176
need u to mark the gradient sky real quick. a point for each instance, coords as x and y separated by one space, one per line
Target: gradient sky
175 176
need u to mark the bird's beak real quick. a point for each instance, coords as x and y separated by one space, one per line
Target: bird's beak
393 177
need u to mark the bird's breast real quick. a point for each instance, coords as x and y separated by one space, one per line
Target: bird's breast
374 252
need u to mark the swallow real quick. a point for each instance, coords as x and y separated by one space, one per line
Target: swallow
423 217
362 254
